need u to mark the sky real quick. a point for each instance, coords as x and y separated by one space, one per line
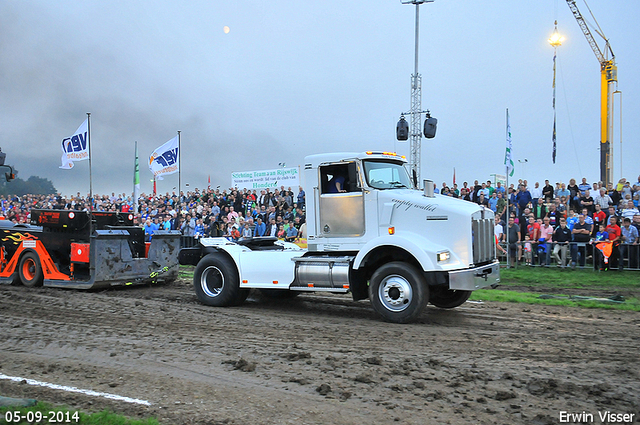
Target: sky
294 78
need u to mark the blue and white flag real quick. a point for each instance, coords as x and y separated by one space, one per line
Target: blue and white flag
164 160
76 147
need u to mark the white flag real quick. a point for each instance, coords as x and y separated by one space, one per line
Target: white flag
76 147
164 160
508 156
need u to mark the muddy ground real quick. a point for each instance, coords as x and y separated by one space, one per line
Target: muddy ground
317 359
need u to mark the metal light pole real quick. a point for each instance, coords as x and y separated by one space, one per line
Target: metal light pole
416 101
620 97
555 40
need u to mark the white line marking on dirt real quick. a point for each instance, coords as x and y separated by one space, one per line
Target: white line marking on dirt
75 390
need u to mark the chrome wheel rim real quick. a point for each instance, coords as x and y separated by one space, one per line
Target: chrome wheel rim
395 293
212 281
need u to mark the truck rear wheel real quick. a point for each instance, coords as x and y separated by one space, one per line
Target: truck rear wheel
30 270
398 292
216 281
449 298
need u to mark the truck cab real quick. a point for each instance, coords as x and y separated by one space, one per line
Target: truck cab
370 232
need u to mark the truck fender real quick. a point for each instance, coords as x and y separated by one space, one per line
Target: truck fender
410 246
230 251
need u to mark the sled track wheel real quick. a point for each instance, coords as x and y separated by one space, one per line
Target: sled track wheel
30 270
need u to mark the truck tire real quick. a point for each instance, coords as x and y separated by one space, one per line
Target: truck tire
30 270
398 292
450 298
216 281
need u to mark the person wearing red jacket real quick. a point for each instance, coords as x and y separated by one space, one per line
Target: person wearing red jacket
599 217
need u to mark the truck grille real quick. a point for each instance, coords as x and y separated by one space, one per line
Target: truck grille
484 245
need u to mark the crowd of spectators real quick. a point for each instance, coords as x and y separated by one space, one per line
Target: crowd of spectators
233 213
545 222
540 222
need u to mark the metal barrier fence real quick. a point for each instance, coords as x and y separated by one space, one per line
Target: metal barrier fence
574 254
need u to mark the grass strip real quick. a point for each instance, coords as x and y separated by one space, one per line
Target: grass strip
57 414
632 304
567 278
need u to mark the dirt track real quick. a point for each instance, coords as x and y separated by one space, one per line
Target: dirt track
317 359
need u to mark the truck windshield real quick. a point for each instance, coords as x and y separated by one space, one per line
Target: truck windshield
381 174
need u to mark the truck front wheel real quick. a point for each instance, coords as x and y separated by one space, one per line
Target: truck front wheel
449 298
216 281
30 270
398 292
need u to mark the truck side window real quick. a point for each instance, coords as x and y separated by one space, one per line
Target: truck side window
339 178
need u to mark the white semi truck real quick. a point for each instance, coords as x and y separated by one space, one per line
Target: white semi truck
370 233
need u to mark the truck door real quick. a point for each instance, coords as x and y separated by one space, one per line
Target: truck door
341 203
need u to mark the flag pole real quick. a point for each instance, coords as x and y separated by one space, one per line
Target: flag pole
179 167
507 193
136 182
90 175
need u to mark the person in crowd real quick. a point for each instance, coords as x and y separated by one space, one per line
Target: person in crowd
198 230
581 233
482 200
629 211
301 197
598 257
563 191
189 225
523 197
149 229
166 225
603 199
547 191
528 251
271 228
586 201
501 204
291 233
552 215
515 248
584 186
246 231
536 193
574 194
260 228
546 237
612 213
599 216
561 239
615 235
493 201
628 244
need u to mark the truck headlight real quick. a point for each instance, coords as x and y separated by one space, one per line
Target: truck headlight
443 256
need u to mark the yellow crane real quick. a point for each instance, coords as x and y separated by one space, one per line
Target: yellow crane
608 76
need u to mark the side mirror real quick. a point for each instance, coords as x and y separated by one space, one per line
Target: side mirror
9 176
